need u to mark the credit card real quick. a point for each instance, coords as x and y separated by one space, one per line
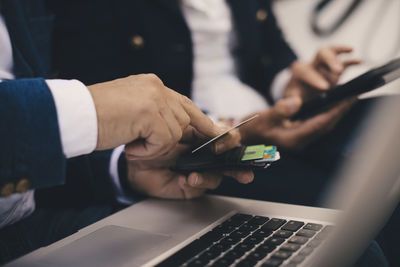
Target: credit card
224 133
253 152
276 157
269 152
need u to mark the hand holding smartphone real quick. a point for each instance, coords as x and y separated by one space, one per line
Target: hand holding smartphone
366 82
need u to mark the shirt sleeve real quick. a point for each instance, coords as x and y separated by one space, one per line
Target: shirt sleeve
16 207
279 84
120 195
76 115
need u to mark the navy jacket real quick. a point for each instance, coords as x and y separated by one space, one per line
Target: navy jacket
98 40
29 134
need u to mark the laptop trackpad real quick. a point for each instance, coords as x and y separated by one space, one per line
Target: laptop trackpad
108 246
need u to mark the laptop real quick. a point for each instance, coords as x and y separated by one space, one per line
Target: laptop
226 231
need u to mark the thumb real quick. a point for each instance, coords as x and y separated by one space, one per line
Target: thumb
287 107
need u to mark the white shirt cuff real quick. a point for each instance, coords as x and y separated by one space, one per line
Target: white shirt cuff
120 195
16 207
77 117
280 83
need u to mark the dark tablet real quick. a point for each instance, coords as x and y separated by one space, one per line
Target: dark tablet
368 81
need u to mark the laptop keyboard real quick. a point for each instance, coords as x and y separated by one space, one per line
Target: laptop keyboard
247 240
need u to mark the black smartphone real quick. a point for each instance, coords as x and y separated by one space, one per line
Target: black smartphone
368 81
205 160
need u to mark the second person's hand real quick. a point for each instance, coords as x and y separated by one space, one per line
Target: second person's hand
154 177
274 126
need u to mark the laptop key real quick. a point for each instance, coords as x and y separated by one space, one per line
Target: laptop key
211 237
328 228
224 261
281 254
306 251
209 255
224 229
306 233
314 243
292 226
219 248
234 254
229 240
321 235
253 240
272 262
241 217
198 262
283 234
248 227
184 254
275 241
265 248
297 259
290 247
273 224
313 226
262 233
258 220
298 240
247 263
244 247
239 234
325 232
257 255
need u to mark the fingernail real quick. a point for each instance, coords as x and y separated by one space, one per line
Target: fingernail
195 180
324 84
199 180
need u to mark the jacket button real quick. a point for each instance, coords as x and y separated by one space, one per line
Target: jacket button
137 41
261 15
7 190
23 185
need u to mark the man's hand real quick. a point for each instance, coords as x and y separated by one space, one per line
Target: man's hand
319 75
154 177
274 127
141 111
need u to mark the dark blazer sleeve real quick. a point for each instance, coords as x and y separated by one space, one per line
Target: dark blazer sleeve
88 182
29 135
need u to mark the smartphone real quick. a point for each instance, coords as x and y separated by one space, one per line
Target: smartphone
366 82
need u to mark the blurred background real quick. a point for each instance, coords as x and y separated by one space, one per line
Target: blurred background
372 29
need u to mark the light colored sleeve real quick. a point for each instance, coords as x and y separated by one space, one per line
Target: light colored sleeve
120 195
279 84
77 117
16 207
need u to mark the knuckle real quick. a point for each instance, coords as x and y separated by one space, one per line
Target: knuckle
178 136
186 100
153 78
185 120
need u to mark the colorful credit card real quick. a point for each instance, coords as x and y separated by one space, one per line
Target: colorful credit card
253 152
269 158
